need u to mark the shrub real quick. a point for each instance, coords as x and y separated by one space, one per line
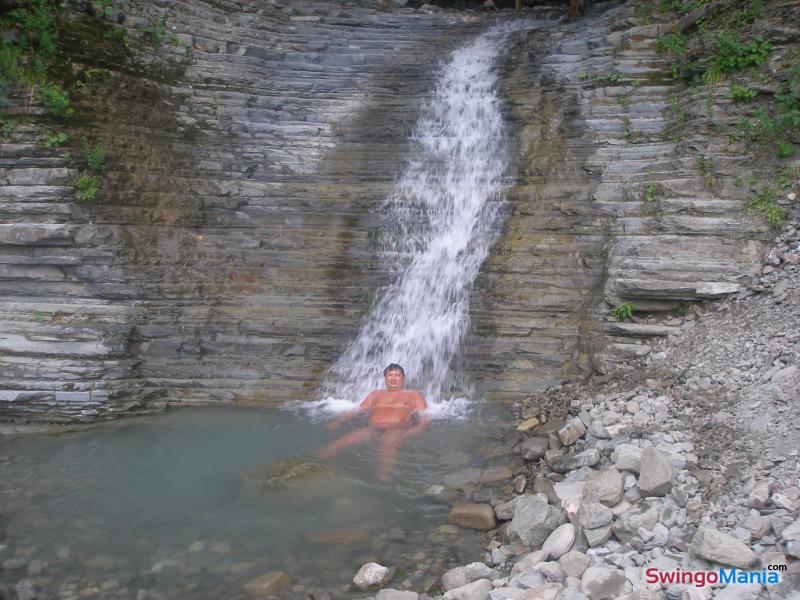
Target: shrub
85 188
742 93
623 311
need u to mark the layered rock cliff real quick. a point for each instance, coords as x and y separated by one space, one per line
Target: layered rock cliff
228 256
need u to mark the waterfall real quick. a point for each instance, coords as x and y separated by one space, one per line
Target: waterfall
442 216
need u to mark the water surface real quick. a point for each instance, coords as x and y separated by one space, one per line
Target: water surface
154 504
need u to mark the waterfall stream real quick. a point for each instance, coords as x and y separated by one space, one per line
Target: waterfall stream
442 217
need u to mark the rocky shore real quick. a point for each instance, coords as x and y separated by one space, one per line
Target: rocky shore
685 460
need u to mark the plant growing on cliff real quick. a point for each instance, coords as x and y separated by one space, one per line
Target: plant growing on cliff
85 188
54 140
623 311
94 155
741 93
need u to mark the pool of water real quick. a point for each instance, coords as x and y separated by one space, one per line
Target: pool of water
153 507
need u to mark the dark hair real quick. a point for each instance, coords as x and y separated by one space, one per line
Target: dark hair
394 367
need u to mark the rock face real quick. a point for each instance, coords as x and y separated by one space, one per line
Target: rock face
235 216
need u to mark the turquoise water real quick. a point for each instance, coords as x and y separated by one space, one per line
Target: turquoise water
152 506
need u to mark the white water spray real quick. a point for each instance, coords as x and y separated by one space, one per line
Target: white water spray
443 214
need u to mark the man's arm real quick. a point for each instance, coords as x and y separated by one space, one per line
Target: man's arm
422 420
365 405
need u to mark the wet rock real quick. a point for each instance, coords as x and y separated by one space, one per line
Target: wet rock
602 583
265 479
391 594
571 431
268 584
574 563
533 521
605 486
460 576
337 537
533 448
528 424
656 473
721 548
371 575
472 516
477 590
560 541
563 463
25 590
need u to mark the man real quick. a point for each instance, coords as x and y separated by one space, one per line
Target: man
393 416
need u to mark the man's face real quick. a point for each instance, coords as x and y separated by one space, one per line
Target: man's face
394 380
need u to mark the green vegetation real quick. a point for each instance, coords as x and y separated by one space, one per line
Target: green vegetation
54 140
741 93
94 155
623 311
706 166
155 33
653 192
85 188
610 78
764 202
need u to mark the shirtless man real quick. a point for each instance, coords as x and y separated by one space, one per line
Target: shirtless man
393 415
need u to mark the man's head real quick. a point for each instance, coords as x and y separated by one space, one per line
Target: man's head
395 377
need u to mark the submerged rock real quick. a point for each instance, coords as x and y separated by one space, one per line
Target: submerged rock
371 575
268 584
298 474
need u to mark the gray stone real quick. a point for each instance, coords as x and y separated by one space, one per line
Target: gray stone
597 537
759 495
792 532
574 563
560 541
571 431
391 594
630 523
655 478
602 583
592 515
371 575
605 486
533 448
627 457
786 374
461 576
528 562
570 462
721 548
25 590
533 521
477 590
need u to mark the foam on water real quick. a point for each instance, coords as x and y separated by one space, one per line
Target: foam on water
441 219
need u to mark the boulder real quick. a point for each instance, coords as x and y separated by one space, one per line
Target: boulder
560 541
371 575
534 519
607 487
602 583
792 532
533 448
563 463
655 478
721 548
571 431
574 563
461 576
268 584
597 537
759 495
592 515
471 515
391 594
477 590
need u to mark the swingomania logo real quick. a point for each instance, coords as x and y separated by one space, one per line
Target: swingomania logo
766 576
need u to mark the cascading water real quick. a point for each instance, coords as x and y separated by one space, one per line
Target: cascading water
443 214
